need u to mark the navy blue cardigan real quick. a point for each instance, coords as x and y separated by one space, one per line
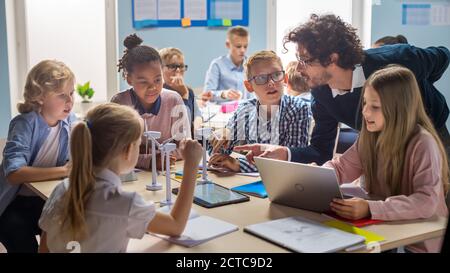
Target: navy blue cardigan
427 64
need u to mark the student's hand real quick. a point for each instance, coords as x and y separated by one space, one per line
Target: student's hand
231 94
173 159
263 150
192 152
66 168
354 209
177 83
220 139
207 96
224 161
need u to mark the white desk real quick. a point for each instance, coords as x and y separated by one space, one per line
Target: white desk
257 210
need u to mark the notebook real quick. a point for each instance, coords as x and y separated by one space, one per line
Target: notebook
255 189
302 235
199 229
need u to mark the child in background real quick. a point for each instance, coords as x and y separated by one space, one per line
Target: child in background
398 153
173 72
296 84
224 81
162 110
390 40
37 149
271 117
90 207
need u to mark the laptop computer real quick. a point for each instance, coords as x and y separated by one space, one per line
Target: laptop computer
299 185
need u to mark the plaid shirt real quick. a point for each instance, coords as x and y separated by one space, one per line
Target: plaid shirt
288 126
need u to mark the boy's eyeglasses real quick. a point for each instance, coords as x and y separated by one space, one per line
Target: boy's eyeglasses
303 62
263 79
174 67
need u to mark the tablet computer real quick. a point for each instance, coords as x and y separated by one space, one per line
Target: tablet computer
212 195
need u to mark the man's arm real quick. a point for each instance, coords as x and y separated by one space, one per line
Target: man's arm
323 138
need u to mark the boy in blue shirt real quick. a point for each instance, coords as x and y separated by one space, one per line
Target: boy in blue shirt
224 80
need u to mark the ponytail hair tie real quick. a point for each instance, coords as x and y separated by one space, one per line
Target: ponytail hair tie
88 124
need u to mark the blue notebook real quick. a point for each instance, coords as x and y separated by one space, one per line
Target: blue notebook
255 189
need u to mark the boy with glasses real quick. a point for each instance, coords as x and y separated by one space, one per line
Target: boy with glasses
173 74
271 118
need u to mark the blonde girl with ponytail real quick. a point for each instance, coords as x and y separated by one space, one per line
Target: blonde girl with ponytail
90 207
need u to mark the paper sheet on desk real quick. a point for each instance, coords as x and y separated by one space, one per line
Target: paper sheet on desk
199 229
249 174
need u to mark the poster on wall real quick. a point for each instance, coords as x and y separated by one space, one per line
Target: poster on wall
189 13
425 14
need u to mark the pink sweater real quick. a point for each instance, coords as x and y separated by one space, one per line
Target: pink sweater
171 119
422 191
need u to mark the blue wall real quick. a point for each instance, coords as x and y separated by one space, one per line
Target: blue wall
387 20
5 106
200 45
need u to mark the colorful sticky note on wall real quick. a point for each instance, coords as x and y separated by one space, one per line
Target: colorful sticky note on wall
186 22
226 23
215 23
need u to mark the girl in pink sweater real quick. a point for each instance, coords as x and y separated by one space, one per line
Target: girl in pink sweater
398 156
162 110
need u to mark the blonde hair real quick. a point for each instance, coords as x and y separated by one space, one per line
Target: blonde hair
263 55
295 79
46 77
168 52
110 129
403 110
238 31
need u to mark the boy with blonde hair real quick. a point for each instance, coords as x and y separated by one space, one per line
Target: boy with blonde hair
271 117
174 68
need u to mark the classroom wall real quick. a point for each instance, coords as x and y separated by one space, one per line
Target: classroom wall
199 44
387 20
5 107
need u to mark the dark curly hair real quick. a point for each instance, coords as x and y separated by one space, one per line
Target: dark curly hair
135 53
324 35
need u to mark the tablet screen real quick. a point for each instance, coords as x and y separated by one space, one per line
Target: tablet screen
212 195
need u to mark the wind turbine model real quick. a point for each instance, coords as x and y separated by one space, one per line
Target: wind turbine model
167 149
153 136
204 133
